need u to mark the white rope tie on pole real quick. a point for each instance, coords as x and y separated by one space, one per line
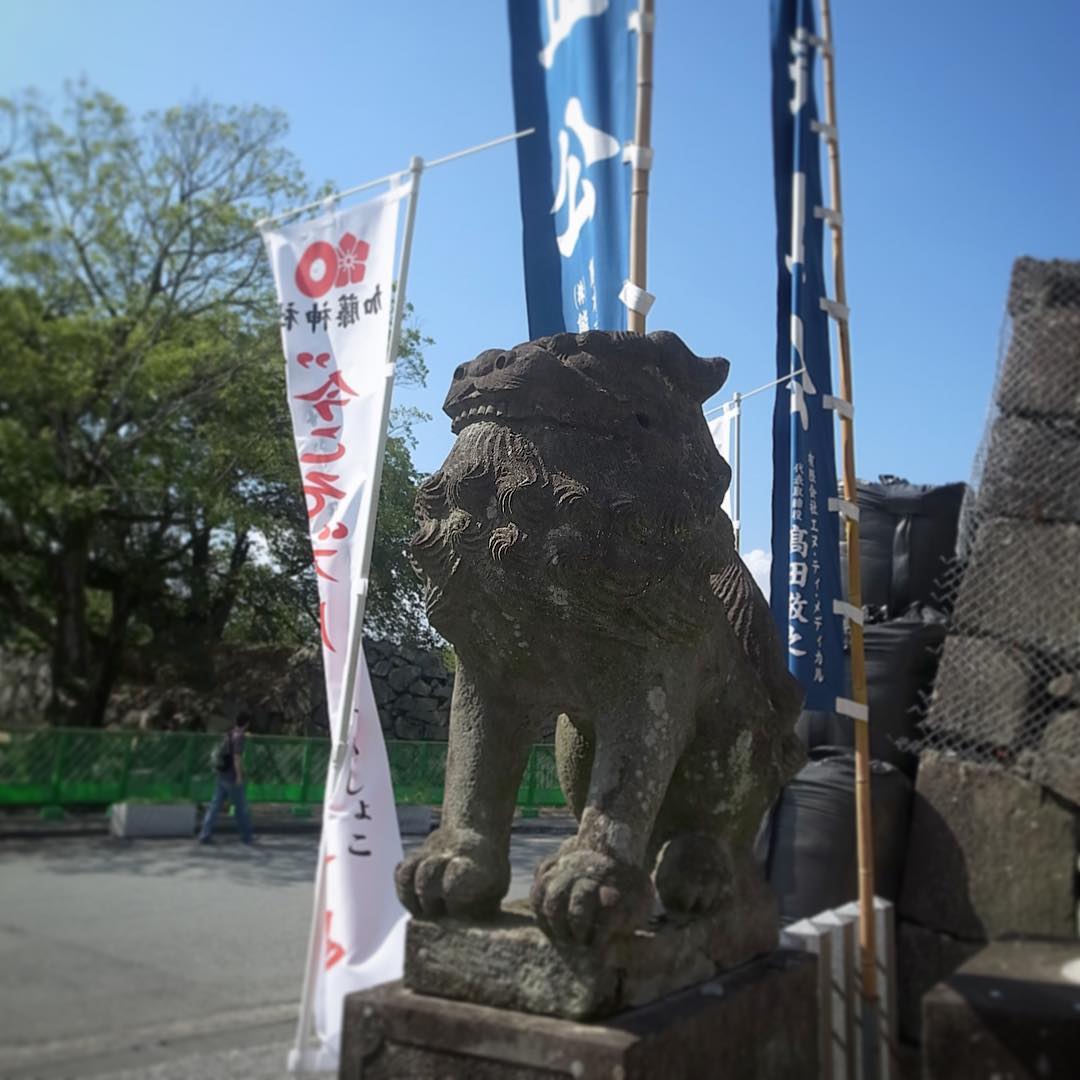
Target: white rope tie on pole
839 406
826 131
849 611
637 157
641 22
847 707
850 510
830 216
835 310
638 300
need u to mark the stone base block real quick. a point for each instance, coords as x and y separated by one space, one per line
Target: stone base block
983 691
1020 586
1041 373
924 958
1032 470
988 854
758 1022
1056 763
1013 1010
152 819
511 964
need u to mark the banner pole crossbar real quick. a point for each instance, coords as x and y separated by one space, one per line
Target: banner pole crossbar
337 196
757 390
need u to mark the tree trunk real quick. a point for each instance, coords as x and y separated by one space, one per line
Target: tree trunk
111 655
223 604
71 639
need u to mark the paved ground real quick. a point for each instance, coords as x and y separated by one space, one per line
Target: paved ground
160 959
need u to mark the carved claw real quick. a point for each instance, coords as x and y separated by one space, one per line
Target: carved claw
584 897
453 873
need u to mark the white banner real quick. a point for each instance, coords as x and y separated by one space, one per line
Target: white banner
720 429
333 277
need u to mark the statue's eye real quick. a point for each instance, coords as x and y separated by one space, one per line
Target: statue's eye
502 360
459 372
642 419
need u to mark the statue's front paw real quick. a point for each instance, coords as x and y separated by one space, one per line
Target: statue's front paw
453 873
584 897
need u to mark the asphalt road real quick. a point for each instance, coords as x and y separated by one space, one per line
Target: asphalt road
160 959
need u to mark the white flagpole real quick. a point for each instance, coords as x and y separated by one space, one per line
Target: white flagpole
356 637
736 477
416 167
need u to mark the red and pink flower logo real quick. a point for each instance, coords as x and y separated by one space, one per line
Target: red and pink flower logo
322 266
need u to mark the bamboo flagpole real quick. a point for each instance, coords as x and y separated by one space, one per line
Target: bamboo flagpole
863 819
637 300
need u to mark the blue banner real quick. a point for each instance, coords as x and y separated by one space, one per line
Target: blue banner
573 70
805 531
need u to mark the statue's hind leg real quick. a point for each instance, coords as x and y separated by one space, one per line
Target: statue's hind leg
597 886
719 791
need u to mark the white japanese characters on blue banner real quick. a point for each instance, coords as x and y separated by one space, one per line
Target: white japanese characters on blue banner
573 81
805 531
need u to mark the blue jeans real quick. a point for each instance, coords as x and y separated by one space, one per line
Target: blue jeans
228 788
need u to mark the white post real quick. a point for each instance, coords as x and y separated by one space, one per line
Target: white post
736 472
356 636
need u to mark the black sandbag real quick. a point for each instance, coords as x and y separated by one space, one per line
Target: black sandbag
907 538
901 661
812 864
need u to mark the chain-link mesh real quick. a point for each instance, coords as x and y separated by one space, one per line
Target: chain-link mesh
1008 688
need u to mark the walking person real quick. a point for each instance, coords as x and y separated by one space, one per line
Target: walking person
229 764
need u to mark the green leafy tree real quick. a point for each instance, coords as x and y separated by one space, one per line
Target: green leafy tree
149 491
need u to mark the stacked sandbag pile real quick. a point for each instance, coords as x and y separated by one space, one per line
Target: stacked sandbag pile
907 547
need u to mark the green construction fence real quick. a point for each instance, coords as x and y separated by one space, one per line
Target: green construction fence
80 766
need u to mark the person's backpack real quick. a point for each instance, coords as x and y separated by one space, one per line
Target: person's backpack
221 758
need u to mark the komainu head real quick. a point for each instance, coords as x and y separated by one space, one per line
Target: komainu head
583 488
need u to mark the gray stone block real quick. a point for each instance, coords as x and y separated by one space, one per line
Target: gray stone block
152 819
408 726
982 691
1056 762
1022 585
1041 372
988 854
1032 470
1012 1010
1043 283
751 1024
415 820
401 677
924 958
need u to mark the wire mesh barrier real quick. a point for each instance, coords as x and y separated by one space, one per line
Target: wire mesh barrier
1008 688
76 766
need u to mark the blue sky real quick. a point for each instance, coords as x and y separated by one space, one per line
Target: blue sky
960 143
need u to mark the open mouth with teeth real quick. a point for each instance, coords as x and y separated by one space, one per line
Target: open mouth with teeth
465 414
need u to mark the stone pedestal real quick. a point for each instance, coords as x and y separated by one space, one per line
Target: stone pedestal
511 964
1013 1010
758 1022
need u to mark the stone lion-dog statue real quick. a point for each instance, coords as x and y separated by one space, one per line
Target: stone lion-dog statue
576 555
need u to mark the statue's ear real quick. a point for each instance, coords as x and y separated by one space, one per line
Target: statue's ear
698 376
